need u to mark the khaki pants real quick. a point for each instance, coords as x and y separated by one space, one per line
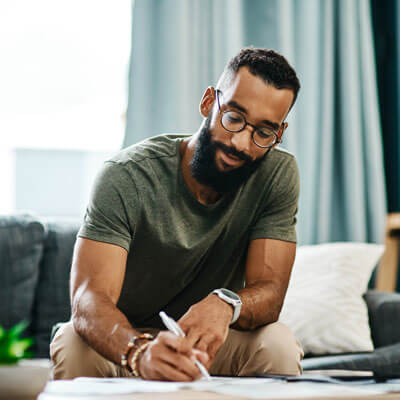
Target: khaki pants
269 349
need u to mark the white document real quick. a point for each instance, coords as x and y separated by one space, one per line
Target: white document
257 388
294 390
99 386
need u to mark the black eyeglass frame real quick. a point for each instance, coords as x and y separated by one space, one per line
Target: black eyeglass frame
255 128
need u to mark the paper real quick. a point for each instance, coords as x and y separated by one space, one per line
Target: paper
104 386
256 388
98 386
284 390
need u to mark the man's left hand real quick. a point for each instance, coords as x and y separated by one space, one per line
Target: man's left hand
206 324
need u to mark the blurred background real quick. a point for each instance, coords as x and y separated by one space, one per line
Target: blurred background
81 79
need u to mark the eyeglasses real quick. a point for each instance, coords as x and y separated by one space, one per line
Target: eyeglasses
233 121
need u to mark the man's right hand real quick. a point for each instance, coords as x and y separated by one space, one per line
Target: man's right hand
170 357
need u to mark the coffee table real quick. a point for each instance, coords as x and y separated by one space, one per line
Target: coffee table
197 395
239 390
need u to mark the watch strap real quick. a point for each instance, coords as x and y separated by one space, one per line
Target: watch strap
236 304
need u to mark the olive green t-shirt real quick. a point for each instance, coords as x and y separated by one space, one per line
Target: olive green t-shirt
179 250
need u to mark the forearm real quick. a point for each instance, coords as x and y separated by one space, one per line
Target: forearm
261 304
100 324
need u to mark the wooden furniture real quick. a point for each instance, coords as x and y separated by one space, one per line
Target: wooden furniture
386 278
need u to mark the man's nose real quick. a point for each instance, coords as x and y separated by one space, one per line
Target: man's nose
242 140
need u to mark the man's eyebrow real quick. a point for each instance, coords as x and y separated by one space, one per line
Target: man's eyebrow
234 104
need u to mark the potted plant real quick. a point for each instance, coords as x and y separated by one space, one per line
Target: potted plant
19 376
12 347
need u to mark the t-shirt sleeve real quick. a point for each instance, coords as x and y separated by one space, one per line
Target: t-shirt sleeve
111 212
277 220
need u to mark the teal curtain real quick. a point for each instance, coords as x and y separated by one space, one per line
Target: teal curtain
386 19
181 47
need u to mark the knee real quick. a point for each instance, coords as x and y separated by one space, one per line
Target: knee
72 357
275 350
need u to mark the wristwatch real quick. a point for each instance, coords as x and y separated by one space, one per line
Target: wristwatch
231 298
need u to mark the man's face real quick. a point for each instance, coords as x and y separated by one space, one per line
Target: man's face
224 160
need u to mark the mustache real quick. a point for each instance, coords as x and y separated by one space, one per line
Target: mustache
229 150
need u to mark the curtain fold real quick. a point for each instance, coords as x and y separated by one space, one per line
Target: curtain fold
180 47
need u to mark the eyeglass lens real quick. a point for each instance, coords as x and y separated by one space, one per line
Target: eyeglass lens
235 122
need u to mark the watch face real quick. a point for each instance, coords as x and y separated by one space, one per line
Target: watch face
230 294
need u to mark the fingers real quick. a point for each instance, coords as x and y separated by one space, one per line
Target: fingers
210 343
181 363
205 342
167 372
201 356
169 357
213 348
192 336
177 343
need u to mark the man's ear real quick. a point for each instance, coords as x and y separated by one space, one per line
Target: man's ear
280 133
207 101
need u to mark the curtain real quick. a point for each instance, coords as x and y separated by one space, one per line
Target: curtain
181 47
386 19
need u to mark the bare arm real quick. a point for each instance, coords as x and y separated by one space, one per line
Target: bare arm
97 275
268 268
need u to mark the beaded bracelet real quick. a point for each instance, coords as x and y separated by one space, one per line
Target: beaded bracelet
135 357
130 346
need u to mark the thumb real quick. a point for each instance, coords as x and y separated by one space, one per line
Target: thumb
201 356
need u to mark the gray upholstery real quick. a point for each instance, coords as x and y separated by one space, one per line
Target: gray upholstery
21 245
384 361
384 314
384 317
52 302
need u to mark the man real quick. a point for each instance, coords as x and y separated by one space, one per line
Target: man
176 217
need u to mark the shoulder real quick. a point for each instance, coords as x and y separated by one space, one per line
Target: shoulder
162 146
278 174
279 163
280 155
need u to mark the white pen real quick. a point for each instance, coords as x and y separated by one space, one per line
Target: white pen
173 327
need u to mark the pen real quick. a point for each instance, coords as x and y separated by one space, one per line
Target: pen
173 327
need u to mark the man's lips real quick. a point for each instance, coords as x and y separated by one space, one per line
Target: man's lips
230 159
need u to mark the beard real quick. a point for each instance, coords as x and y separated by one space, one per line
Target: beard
204 167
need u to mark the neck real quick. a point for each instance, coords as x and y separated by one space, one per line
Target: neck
203 194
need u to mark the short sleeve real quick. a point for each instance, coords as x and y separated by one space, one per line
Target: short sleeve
111 213
277 219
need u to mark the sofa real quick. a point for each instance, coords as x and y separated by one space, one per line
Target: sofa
35 257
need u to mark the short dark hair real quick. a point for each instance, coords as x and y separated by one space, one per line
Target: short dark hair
267 64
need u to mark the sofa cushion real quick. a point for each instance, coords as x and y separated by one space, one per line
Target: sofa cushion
384 312
384 362
21 245
324 305
52 303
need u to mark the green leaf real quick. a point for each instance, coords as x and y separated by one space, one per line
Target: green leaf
11 347
17 329
17 348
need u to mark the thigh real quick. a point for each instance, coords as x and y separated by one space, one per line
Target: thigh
72 357
270 348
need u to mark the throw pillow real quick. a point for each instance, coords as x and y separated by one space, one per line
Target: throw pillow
324 305
21 246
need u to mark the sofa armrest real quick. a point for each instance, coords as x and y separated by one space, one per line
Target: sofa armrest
384 313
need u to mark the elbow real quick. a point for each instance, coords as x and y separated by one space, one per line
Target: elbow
78 309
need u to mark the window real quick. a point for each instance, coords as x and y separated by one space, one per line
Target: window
63 81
